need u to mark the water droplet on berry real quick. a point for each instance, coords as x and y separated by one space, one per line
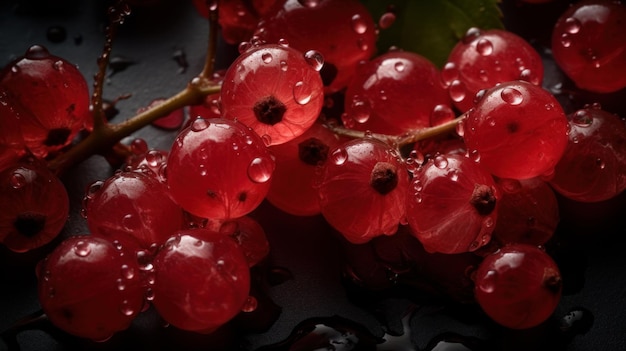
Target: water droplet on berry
126 309
488 283
471 34
362 44
315 59
484 47
284 66
199 124
17 180
260 169
582 118
572 25
440 161
600 163
512 96
360 110
82 248
449 73
144 259
453 174
267 139
474 155
359 25
120 284
37 52
441 114
529 76
309 3
386 20
460 130
127 272
250 304
302 93
339 156
266 57
457 91
149 294
399 66
566 40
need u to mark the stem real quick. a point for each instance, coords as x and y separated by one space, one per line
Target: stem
209 64
405 139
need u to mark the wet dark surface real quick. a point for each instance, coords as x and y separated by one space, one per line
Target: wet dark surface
304 304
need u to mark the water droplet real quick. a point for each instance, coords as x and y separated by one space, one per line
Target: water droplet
17 180
315 59
283 42
144 259
488 282
441 114
512 96
250 304
386 20
82 249
360 110
582 118
266 57
484 47
127 272
267 139
572 25
600 163
339 156
302 93
120 284
126 309
457 91
399 66
474 155
460 128
453 174
37 52
199 124
149 294
362 44
359 24
471 34
260 169
449 73
440 161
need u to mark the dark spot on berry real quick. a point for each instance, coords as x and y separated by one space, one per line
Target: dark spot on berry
67 314
212 194
57 136
328 73
512 127
313 151
29 224
242 197
384 177
483 199
269 110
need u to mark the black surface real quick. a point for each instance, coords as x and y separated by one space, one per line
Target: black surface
591 252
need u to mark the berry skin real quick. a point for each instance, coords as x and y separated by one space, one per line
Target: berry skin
201 280
274 90
484 58
395 93
589 45
452 205
90 287
132 205
219 169
362 188
297 161
518 286
517 130
593 167
50 98
34 206
343 31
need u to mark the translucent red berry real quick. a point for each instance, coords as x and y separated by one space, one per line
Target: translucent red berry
518 286
219 169
90 287
589 45
274 90
517 130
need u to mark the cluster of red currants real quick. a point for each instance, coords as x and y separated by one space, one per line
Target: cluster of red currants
310 119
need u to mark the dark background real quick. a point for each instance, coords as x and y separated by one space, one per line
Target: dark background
305 247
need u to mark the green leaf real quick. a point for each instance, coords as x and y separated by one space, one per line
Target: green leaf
431 28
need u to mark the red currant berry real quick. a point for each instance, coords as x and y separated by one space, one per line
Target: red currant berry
589 45
517 130
518 286
201 280
90 287
274 90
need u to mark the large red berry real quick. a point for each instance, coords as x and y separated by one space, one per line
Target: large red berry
201 280
589 45
516 130
219 169
274 90
90 287
50 98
